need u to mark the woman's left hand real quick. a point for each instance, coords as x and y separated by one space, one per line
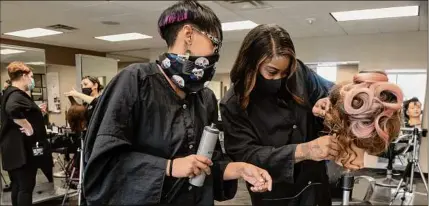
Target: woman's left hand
43 108
321 107
259 178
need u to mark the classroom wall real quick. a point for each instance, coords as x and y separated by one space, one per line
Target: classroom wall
406 50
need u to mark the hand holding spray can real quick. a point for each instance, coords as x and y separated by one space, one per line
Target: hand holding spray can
207 144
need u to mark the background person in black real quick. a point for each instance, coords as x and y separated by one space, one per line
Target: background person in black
268 119
22 128
141 142
91 90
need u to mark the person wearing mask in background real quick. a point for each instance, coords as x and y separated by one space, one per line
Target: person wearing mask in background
268 119
142 140
23 138
91 90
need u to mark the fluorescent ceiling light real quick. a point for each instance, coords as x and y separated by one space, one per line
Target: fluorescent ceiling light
405 71
10 51
376 13
238 25
31 33
124 37
35 63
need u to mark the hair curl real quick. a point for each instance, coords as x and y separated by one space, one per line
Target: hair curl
365 113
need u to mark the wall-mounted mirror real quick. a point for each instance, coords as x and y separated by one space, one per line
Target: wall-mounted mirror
33 57
103 68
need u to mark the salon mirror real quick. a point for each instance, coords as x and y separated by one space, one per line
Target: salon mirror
33 57
103 68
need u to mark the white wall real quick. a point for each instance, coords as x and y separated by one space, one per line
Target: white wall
345 73
96 66
375 51
67 80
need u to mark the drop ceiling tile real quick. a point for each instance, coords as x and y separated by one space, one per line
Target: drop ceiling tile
98 10
224 15
144 6
381 25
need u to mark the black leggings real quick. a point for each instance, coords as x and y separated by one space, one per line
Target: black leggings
23 181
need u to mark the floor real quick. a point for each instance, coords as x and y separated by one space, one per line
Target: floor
381 195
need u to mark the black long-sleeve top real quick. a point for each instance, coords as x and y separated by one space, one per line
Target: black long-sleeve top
267 132
16 147
138 124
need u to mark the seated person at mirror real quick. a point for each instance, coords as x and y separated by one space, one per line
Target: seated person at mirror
412 112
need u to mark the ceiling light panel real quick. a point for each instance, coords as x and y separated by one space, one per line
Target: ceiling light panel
124 37
32 33
10 51
380 13
238 25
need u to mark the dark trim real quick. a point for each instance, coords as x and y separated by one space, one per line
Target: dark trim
54 54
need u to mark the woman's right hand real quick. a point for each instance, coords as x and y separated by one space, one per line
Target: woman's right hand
191 166
72 93
322 148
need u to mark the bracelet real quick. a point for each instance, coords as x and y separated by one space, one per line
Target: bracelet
171 168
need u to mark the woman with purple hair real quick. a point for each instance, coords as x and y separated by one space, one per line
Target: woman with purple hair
142 139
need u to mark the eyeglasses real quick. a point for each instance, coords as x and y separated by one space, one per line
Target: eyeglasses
215 41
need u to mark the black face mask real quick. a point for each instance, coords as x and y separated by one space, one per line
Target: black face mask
189 74
87 91
268 86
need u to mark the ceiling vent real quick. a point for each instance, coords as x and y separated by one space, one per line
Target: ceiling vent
243 4
62 28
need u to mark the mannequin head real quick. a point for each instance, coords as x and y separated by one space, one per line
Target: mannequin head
364 115
413 111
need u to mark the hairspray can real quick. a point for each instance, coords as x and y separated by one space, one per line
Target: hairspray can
207 144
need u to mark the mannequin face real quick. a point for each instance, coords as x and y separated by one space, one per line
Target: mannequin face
414 110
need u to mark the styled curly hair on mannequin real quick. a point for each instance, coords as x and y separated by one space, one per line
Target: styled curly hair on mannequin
365 114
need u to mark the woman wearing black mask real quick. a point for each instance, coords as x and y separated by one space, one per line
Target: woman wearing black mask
142 141
91 89
268 119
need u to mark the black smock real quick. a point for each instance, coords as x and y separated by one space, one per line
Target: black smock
16 147
267 132
138 124
90 109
